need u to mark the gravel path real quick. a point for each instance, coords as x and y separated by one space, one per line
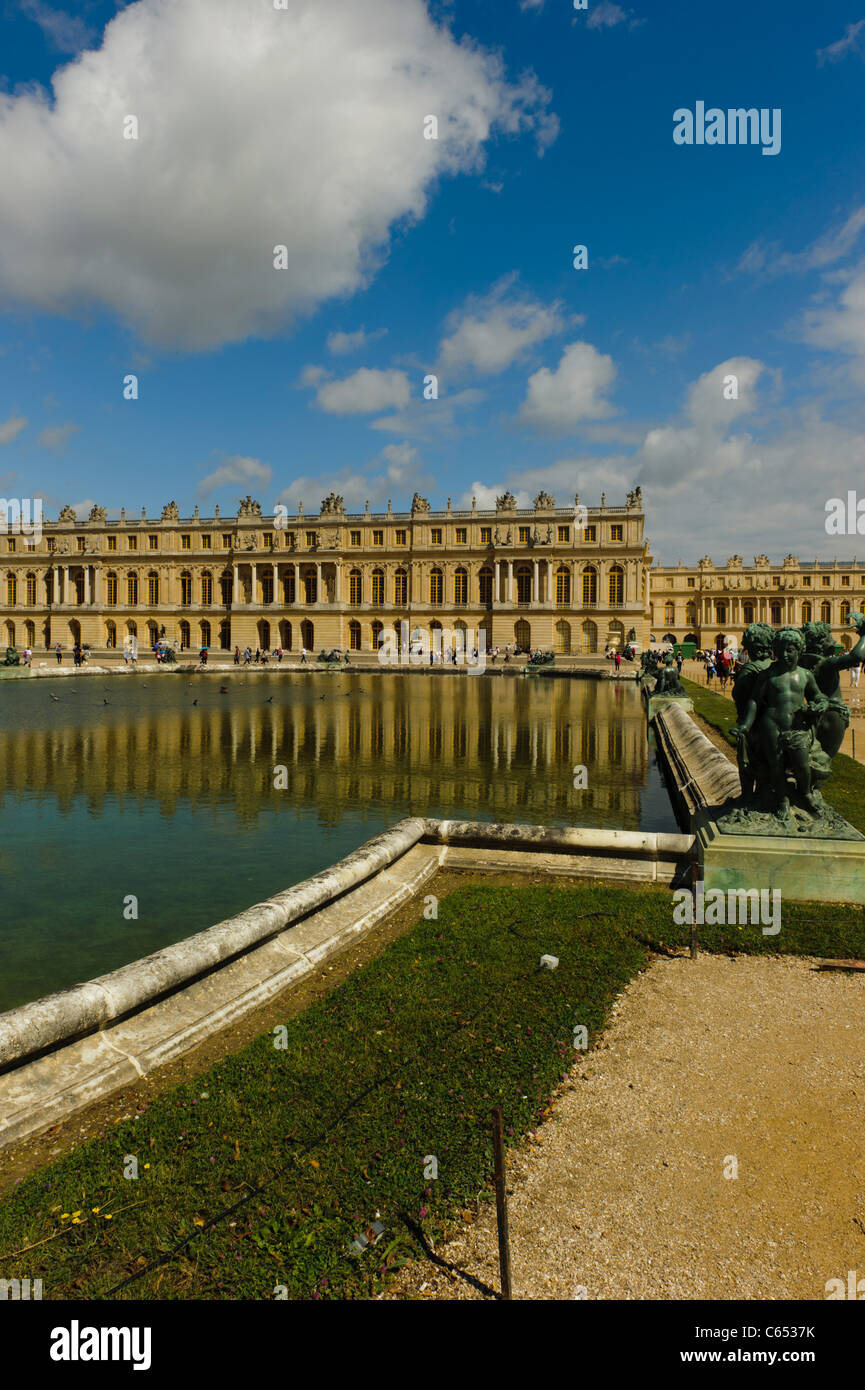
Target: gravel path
624 1192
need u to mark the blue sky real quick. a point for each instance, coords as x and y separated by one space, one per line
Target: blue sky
303 127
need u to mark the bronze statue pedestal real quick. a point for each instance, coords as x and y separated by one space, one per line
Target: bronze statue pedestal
805 868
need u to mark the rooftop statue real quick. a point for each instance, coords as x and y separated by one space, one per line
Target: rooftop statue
419 504
67 513
170 512
791 721
249 507
544 501
333 505
506 503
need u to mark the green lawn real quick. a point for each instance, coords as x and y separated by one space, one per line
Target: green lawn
844 789
293 1151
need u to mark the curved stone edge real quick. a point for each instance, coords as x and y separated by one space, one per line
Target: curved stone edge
33 1027
633 843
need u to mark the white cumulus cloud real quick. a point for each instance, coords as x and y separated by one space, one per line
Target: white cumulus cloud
366 390
257 128
491 331
236 468
11 428
559 400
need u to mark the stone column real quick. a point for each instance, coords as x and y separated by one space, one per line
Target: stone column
254 568
235 591
337 570
536 584
318 594
510 597
551 598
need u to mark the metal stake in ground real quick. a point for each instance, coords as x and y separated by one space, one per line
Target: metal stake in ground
502 1202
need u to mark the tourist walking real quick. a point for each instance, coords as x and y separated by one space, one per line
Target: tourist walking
247 656
855 673
202 656
303 656
59 653
237 656
618 659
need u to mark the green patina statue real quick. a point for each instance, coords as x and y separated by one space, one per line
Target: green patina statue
668 682
791 722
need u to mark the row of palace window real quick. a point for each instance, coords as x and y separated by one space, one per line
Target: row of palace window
460 589
749 611
271 539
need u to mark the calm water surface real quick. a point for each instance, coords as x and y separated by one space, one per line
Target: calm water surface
175 803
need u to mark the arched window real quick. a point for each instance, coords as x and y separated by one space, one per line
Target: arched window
267 586
285 635
485 587
720 612
523 634
264 634
225 635
691 614
806 612
132 589
204 627
563 593
669 611
590 592
845 611
310 586
436 586
288 585
563 637
355 590
461 586
524 585
747 612
307 634
775 610
354 635
110 635
207 589
184 635
378 587
29 633
153 588
31 592
617 586
377 629
185 590
825 611
78 584
11 594
400 588
590 635
10 633
226 586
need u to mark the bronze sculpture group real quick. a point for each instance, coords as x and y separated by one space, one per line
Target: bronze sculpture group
791 720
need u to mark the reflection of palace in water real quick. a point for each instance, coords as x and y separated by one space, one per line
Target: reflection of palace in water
503 748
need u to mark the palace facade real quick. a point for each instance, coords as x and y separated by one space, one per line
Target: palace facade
569 579
706 603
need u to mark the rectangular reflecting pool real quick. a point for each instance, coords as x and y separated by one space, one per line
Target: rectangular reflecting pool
114 789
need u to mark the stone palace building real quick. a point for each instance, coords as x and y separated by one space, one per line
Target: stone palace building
706 603
570 579
566 578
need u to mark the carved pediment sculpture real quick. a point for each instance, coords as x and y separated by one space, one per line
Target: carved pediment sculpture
246 540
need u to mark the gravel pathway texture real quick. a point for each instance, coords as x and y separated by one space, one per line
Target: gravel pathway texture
707 1068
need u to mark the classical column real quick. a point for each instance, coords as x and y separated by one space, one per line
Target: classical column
536 591
551 598
254 568
235 589
510 581
318 595
337 570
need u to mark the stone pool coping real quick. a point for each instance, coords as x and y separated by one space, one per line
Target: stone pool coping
61 1052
